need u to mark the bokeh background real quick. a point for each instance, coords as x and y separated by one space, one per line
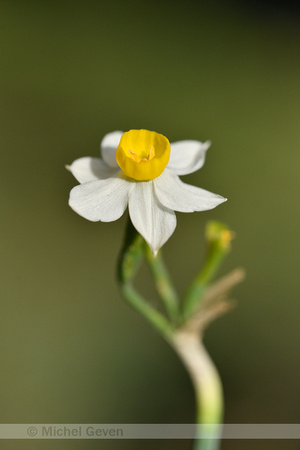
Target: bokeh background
71 350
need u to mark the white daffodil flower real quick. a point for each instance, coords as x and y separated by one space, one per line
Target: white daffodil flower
140 169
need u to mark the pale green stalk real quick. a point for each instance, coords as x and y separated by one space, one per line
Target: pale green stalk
163 284
207 386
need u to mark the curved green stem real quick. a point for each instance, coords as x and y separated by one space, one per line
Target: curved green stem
130 258
155 318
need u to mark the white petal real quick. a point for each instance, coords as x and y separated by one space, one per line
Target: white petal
104 200
179 196
151 219
90 169
109 146
187 156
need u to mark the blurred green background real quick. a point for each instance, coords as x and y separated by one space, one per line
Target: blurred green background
71 350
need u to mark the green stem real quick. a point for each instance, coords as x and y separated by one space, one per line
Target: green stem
207 386
130 258
154 317
218 239
131 255
163 284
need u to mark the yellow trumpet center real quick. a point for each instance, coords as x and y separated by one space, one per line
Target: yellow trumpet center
142 154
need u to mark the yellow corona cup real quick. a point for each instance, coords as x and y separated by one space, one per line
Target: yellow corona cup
143 155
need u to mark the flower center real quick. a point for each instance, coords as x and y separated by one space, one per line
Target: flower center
142 154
